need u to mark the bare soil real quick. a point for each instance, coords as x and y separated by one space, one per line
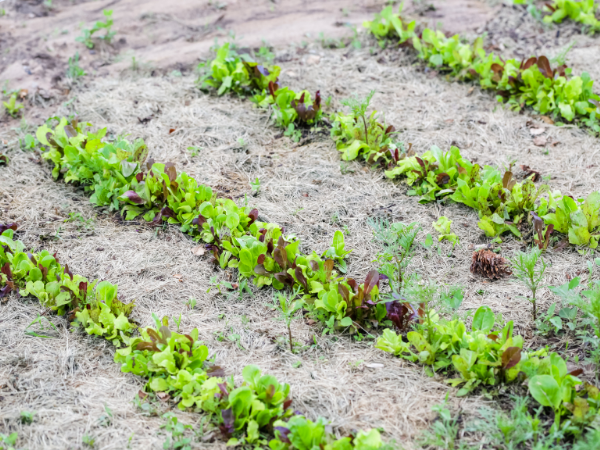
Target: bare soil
70 378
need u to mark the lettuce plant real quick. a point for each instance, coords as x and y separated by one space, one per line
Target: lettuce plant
361 136
229 72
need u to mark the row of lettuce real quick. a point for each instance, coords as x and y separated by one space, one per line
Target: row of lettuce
581 11
118 176
257 411
529 82
491 356
503 203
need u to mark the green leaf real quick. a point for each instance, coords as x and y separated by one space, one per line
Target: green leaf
545 390
483 319
346 322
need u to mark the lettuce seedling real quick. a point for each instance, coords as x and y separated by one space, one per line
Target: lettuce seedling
442 226
12 107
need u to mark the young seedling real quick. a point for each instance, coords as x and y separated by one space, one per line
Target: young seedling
86 38
526 269
12 107
38 320
27 417
255 185
74 70
359 110
288 307
176 430
396 241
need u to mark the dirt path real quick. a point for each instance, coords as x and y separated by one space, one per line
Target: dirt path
36 40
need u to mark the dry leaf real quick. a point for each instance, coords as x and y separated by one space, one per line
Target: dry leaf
179 277
540 141
374 365
23 93
163 396
547 119
171 130
536 131
199 251
313 60
470 91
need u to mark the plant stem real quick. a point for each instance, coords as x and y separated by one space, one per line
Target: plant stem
290 335
366 132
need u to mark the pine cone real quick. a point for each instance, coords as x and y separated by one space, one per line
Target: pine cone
489 264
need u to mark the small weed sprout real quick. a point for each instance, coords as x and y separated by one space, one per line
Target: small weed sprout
293 133
27 417
176 430
443 432
526 269
191 303
86 38
255 185
88 440
74 70
359 110
288 307
396 241
194 151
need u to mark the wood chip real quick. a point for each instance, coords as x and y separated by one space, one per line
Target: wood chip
536 131
374 365
198 251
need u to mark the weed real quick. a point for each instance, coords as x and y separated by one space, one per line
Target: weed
265 54
191 303
27 417
396 241
88 440
194 151
29 142
74 70
175 431
293 133
443 432
38 320
288 306
526 270
106 419
81 222
86 38
149 406
255 185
